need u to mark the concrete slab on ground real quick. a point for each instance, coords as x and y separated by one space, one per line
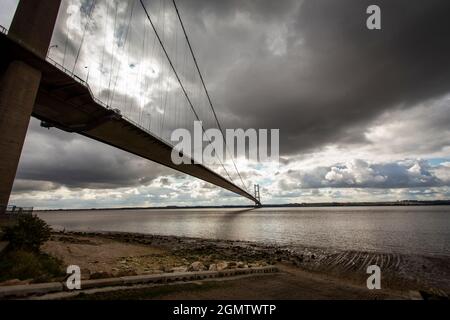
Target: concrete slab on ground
46 288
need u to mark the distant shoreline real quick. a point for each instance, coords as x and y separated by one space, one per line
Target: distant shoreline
404 203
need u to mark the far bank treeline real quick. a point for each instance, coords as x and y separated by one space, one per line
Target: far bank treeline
289 205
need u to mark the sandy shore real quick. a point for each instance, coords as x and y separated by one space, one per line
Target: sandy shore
314 273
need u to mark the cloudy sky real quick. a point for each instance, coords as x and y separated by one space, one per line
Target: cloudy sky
363 115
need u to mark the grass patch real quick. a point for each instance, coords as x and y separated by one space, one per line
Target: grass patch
28 233
25 265
23 259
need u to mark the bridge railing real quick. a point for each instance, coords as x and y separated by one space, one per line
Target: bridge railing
3 30
67 71
78 79
15 211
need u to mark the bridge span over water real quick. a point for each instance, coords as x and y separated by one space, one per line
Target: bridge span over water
33 84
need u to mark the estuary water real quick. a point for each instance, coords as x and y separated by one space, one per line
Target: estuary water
409 230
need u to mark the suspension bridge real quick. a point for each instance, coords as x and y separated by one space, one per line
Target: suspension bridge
123 73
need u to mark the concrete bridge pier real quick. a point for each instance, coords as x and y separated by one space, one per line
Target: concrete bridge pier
32 26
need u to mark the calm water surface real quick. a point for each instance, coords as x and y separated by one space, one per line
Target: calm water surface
420 230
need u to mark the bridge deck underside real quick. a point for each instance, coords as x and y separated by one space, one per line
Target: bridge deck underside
69 105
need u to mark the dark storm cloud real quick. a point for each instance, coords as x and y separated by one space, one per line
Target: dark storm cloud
311 68
224 10
335 75
24 186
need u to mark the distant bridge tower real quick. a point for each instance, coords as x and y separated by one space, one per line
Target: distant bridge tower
32 26
257 196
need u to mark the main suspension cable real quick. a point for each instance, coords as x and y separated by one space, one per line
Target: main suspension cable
206 90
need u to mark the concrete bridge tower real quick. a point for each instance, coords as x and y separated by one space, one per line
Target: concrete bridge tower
32 26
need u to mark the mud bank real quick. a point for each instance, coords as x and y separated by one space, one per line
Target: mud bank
104 254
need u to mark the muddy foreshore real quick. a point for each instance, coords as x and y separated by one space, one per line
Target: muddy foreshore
429 274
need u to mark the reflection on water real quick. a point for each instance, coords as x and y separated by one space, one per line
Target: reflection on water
421 230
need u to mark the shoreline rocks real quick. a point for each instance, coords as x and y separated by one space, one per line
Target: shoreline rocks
197 266
213 254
